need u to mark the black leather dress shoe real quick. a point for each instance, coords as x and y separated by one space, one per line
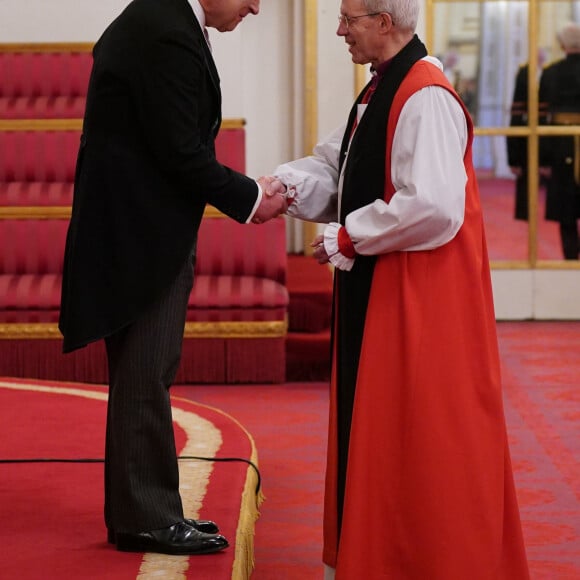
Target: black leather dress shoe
178 539
205 526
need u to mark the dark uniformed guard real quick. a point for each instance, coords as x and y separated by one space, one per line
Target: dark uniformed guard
560 90
517 147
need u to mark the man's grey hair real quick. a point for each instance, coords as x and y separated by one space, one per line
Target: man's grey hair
405 13
569 36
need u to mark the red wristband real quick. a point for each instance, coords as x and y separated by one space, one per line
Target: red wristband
345 245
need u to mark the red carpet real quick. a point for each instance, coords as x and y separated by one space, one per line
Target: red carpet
52 525
507 238
308 340
541 374
541 377
289 423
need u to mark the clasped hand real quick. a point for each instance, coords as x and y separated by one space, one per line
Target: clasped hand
273 200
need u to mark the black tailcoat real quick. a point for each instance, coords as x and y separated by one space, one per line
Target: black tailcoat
146 168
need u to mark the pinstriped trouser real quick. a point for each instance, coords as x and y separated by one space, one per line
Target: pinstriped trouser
141 472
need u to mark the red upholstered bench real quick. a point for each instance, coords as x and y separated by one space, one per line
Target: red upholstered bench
44 81
37 159
37 167
236 322
237 317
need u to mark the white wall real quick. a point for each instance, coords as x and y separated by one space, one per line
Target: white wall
255 64
335 71
56 20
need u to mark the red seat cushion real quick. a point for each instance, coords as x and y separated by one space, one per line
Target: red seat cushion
32 246
38 155
34 74
42 107
35 193
29 297
237 298
36 298
228 248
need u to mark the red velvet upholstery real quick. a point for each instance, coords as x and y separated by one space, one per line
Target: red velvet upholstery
227 247
35 193
209 360
43 85
230 148
229 286
235 282
238 308
50 156
240 272
31 246
31 269
42 107
45 156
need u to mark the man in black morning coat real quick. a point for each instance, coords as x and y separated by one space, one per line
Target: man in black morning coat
146 169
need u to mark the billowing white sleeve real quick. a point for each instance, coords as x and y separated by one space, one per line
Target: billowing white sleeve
429 177
312 181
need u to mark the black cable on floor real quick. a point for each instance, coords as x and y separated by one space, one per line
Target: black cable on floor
185 458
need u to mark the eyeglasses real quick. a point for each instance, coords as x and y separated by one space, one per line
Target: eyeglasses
348 20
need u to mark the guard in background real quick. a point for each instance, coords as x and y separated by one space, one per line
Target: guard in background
517 147
560 90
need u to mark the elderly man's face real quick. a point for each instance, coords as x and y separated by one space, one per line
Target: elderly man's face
360 31
225 15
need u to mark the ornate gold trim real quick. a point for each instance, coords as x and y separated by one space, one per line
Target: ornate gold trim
24 331
249 505
238 123
77 124
34 212
41 124
266 329
46 46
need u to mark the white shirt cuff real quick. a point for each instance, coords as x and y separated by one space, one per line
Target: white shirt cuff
257 204
331 246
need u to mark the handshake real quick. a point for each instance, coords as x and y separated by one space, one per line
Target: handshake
274 200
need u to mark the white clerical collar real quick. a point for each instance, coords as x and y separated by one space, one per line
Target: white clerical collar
198 11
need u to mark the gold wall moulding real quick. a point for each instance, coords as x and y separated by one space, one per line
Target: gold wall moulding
261 329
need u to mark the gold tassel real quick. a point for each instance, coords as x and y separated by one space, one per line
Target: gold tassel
249 513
